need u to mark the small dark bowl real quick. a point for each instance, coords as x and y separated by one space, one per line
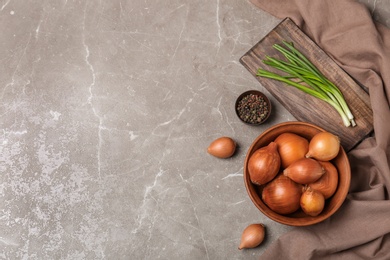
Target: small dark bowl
257 93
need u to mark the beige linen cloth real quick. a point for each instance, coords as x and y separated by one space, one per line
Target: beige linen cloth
361 228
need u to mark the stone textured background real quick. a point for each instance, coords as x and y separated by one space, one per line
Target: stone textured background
106 112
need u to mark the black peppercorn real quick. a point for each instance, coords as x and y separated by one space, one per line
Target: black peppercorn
252 109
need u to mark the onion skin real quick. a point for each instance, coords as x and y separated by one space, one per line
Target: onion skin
304 171
282 195
324 146
327 184
264 164
312 202
252 236
291 147
223 147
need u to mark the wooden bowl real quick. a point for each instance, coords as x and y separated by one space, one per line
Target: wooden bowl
298 218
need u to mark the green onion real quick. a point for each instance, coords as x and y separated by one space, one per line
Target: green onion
303 75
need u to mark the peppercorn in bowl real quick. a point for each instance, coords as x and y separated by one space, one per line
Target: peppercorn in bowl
253 107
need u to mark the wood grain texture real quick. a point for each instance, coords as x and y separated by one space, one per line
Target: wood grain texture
303 106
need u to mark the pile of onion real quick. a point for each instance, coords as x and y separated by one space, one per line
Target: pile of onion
296 173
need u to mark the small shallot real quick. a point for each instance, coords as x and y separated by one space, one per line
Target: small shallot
304 171
327 184
324 146
264 164
223 147
312 202
282 195
252 236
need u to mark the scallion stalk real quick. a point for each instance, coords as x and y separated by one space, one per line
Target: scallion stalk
305 76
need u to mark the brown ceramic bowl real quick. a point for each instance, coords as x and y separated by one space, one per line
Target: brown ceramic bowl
256 93
298 218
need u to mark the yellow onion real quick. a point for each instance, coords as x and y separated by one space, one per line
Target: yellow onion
264 164
282 195
324 146
223 147
304 171
291 147
312 202
328 182
252 236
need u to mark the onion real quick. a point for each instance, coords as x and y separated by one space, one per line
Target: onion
324 146
264 164
304 171
252 236
223 147
291 147
282 195
312 202
327 184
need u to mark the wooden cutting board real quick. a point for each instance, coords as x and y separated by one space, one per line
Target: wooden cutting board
303 106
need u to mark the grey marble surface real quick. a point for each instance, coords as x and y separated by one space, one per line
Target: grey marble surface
106 112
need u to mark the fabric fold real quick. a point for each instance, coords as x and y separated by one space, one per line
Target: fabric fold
361 228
